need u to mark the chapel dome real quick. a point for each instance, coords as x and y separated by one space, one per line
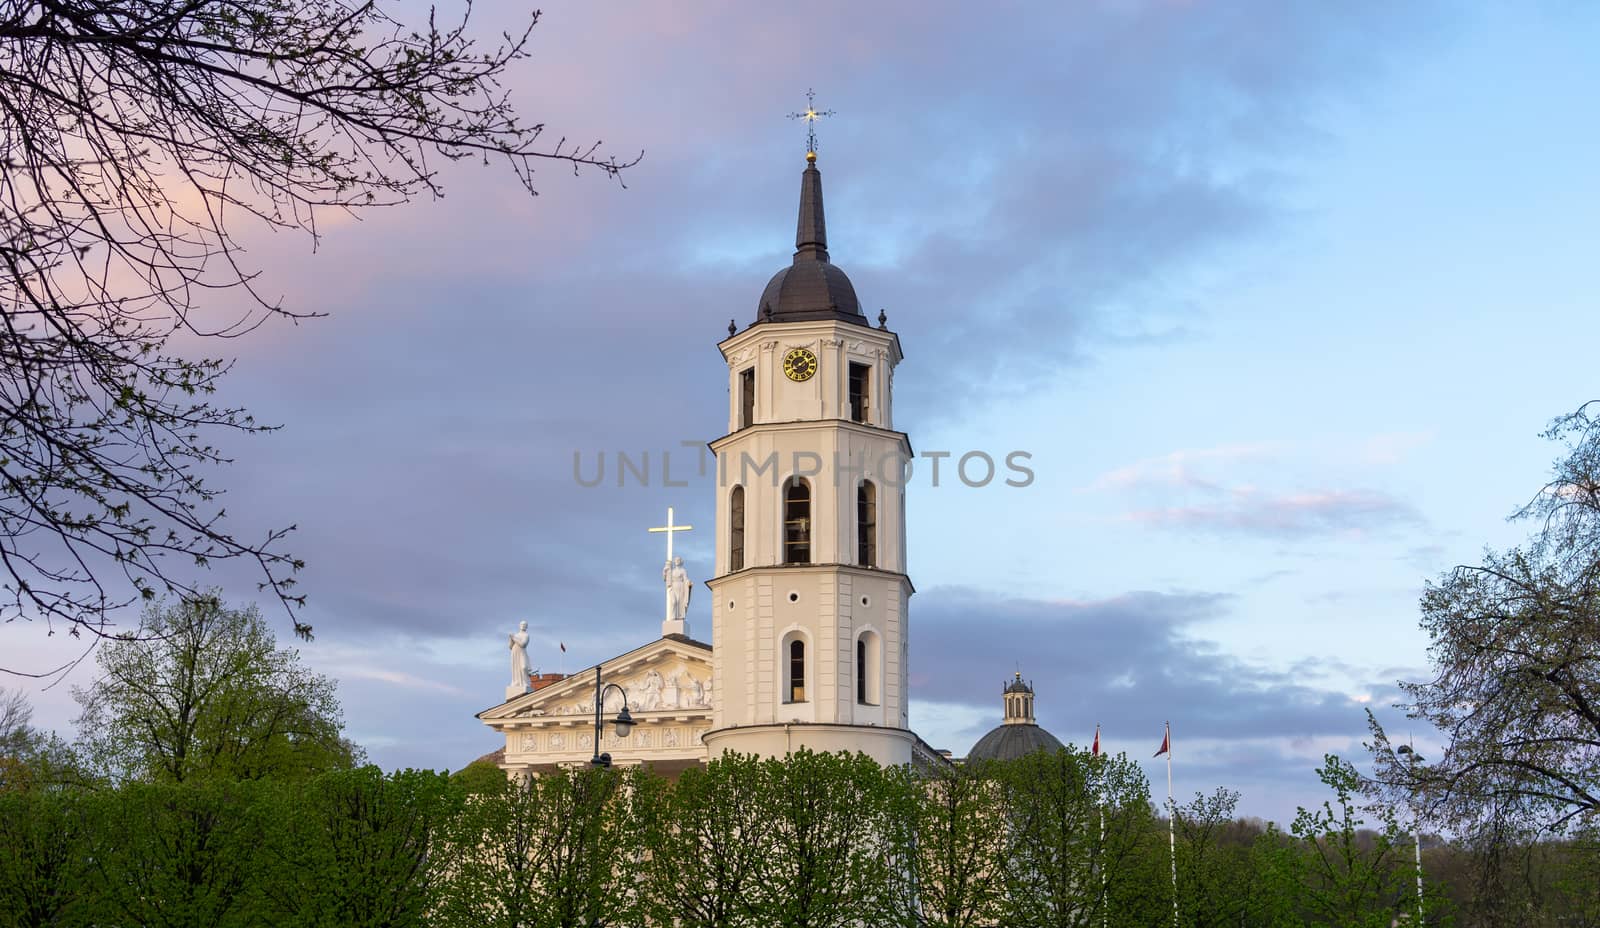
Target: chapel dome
1009 742
812 287
1017 734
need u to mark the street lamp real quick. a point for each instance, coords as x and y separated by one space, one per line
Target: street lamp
623 722
1416 819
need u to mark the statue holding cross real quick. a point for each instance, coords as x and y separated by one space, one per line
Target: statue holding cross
677 581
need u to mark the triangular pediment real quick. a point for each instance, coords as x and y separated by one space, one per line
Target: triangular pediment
667 677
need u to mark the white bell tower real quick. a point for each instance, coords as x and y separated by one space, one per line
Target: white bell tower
809 640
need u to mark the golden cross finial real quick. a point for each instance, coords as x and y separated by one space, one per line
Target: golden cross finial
670 529
811 115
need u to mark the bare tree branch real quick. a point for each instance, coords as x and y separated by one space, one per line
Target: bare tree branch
1516 657
135 136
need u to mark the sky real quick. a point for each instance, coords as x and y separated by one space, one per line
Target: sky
1276 296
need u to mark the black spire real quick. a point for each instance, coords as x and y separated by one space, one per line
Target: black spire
811 235
811 287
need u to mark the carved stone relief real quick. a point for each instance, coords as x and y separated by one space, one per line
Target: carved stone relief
669 688
647 695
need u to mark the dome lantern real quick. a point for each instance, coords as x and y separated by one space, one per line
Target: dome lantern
1018 733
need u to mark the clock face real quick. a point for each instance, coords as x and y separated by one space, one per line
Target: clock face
799 364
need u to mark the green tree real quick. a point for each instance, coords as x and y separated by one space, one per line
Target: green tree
705 847
203 691
1350 875
171 855
356 848
953 849
137 140
480 776
1218 880
30 758
827 847
554 851
1278 866
43 858
1574 865
1515 650
1081 842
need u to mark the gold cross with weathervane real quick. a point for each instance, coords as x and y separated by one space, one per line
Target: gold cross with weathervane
811 115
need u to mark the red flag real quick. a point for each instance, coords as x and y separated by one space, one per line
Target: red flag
1095 750
563 647
1166 741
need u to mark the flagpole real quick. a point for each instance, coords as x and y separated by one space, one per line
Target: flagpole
1105 903
1172 834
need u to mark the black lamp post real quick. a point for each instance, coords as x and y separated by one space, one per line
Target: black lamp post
623 722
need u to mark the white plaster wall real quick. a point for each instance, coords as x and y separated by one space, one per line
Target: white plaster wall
824 396
832 605
743 460
830 600
885 745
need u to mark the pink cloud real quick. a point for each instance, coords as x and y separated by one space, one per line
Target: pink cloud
1177 468
1253 512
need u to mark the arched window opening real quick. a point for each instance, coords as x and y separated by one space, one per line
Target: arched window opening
797 521
867 524
747 397
867 669
860 378
797 671
861 670
736 530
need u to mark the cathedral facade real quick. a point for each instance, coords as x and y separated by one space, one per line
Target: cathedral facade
809 645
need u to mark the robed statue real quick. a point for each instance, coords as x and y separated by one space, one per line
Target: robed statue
678 589
519 656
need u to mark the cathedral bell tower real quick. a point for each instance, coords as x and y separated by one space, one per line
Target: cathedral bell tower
809 599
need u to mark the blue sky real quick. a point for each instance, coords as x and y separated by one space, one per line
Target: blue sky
1277 296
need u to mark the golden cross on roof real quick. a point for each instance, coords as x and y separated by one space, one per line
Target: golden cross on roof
670 529
811 115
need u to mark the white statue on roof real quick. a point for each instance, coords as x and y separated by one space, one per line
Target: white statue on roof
679 589
518 641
